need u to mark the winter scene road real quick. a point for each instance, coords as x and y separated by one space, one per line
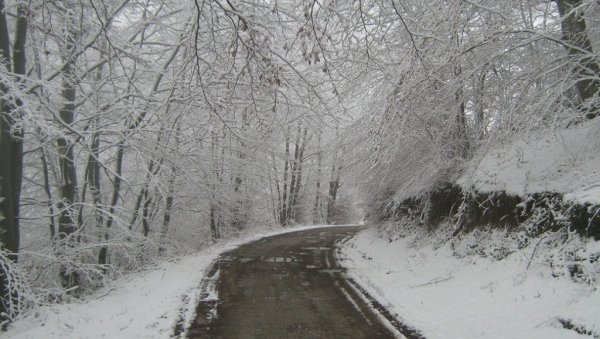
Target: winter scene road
198 169
287 286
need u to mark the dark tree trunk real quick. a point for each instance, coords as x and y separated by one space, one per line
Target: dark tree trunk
103 254
11 146
579 49
168 208
153 168
334 185
481 128
93 174
11 143
66 160
283 213
317 218
138 204
50 204
277 210
93 179
214 222
146 214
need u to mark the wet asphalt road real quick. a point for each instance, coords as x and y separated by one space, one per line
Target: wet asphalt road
287 286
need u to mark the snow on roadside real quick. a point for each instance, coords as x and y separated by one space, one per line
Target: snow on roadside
444 296
137 305
562 160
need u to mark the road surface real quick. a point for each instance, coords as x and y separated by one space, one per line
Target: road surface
287 286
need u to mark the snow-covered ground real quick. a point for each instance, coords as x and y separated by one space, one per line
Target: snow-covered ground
140 305
427 286
472 296
562 160
488 283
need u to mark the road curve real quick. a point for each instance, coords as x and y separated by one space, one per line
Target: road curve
287 286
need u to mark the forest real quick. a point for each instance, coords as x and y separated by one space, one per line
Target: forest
133 131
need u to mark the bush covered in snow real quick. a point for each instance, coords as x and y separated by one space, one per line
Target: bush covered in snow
18 295
467 210
495 225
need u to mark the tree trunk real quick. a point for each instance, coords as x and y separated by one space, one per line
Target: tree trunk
50 204
153 169
295 193
579 49
146 214
214 205
168 207
103 254
317 217
294 174
334 185
462 140
480 126
283 213
11 146
93 174
214 222
66 158
276 213
170 189
11 143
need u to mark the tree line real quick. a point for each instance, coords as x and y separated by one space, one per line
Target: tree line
137 129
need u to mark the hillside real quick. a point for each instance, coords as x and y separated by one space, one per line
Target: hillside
507 258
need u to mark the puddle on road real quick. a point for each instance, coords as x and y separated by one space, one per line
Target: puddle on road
280 259
313 240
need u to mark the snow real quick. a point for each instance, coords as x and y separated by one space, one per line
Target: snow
562 160
446 296
427 286
138 305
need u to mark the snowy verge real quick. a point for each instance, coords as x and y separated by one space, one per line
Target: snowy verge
442 295
139 305
562 160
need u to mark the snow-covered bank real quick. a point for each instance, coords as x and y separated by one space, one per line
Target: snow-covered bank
141 305
560 160
528 294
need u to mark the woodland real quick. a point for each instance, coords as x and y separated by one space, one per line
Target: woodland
136 130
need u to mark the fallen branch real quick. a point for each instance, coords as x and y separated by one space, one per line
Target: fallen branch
533 253
434 281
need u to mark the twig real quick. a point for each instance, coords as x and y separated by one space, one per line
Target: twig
533 253
434 281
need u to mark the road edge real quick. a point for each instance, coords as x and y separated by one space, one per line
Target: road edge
390 320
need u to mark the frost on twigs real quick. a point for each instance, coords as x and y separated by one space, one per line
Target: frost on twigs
16 294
